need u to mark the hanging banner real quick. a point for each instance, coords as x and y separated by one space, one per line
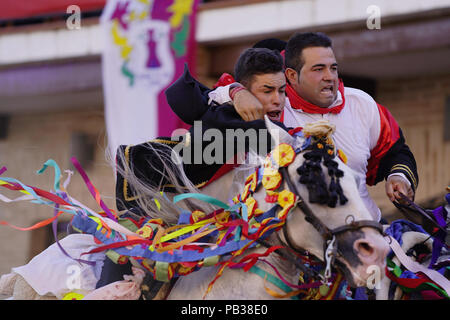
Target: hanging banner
147 44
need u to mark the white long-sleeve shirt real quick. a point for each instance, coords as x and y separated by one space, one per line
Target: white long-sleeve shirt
357 131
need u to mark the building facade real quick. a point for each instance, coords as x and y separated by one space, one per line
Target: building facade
51 100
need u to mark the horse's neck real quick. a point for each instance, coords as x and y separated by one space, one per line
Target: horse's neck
228 185
249 285
235 283
284 268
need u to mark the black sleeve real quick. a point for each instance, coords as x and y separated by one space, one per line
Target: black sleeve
144 161
399 158
187 97
236 134
225 117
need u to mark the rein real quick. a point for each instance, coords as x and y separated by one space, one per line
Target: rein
418 215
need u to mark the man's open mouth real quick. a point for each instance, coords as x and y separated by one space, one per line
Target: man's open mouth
274 115
327 90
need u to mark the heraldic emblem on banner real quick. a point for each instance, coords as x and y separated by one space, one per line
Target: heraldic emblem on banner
147 44
146 33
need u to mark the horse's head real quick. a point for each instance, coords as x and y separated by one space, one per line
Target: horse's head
332 214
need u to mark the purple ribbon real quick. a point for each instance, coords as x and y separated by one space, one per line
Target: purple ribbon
439 238
91 188
55 233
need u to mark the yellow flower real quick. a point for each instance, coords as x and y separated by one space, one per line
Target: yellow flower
283 154
271 179
286 198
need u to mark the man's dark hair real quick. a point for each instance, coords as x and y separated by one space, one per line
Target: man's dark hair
256 61
300 41
271 43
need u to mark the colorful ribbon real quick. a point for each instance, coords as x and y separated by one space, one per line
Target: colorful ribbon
92 189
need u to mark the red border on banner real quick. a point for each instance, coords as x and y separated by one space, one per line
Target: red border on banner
20 9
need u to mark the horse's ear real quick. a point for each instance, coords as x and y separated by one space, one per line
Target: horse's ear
278 134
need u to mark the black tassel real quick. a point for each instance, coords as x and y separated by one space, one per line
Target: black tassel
333 193
311 175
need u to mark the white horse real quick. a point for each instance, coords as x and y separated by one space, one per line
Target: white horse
344 237
359 249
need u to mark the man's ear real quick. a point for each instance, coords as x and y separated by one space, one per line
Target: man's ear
291 75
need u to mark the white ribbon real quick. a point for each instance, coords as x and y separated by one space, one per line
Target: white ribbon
413 266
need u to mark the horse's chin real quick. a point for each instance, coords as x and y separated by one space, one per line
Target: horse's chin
352 278
356 277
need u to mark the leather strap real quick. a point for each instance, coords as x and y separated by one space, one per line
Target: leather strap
413 207
355 225
310 216
326 233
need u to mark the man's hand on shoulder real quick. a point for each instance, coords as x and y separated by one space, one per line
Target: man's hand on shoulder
247 106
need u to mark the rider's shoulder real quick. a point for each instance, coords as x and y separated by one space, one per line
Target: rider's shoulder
358 94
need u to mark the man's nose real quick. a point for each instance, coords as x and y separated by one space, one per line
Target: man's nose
328 75
276 98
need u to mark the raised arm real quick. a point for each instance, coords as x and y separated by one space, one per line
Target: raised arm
187 97
190 99
244 102
391 159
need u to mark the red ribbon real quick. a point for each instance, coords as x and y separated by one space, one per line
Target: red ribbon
50 196
225 79
119 245
92 189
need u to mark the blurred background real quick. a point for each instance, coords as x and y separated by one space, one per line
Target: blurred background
55 87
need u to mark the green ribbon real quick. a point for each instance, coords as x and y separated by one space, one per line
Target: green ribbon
162 271
52 163
397 271
202 197
210 261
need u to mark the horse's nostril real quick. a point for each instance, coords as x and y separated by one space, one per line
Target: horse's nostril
365 249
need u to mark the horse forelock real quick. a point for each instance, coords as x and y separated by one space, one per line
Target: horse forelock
328 185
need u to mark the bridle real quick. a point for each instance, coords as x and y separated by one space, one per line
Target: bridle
331 249
324 231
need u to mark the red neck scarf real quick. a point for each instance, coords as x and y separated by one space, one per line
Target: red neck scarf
298 102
